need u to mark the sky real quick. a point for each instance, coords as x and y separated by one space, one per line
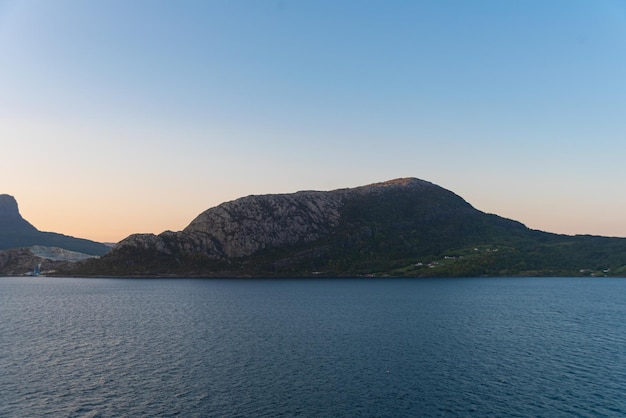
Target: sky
121 117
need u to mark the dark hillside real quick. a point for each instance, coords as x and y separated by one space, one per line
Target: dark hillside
16 232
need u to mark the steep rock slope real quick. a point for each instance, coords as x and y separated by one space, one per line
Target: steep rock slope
245 226
11 220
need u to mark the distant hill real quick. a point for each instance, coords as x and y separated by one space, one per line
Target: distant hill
403 227
16 232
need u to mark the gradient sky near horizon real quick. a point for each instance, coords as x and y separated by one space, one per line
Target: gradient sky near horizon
135 116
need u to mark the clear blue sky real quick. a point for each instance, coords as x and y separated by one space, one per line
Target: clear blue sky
134 116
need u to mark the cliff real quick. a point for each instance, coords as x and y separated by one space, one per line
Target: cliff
11 220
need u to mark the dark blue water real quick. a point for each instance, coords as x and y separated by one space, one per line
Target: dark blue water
380 348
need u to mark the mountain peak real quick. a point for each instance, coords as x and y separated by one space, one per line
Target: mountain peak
10 218
8 207
403 181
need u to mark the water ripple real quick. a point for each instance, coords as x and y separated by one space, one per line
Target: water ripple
268 348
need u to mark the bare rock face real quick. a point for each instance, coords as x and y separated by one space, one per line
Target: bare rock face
144 241
253 223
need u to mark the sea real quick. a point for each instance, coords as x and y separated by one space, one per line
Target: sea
467 347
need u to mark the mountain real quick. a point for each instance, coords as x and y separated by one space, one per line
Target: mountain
10 219
402 227
16 232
